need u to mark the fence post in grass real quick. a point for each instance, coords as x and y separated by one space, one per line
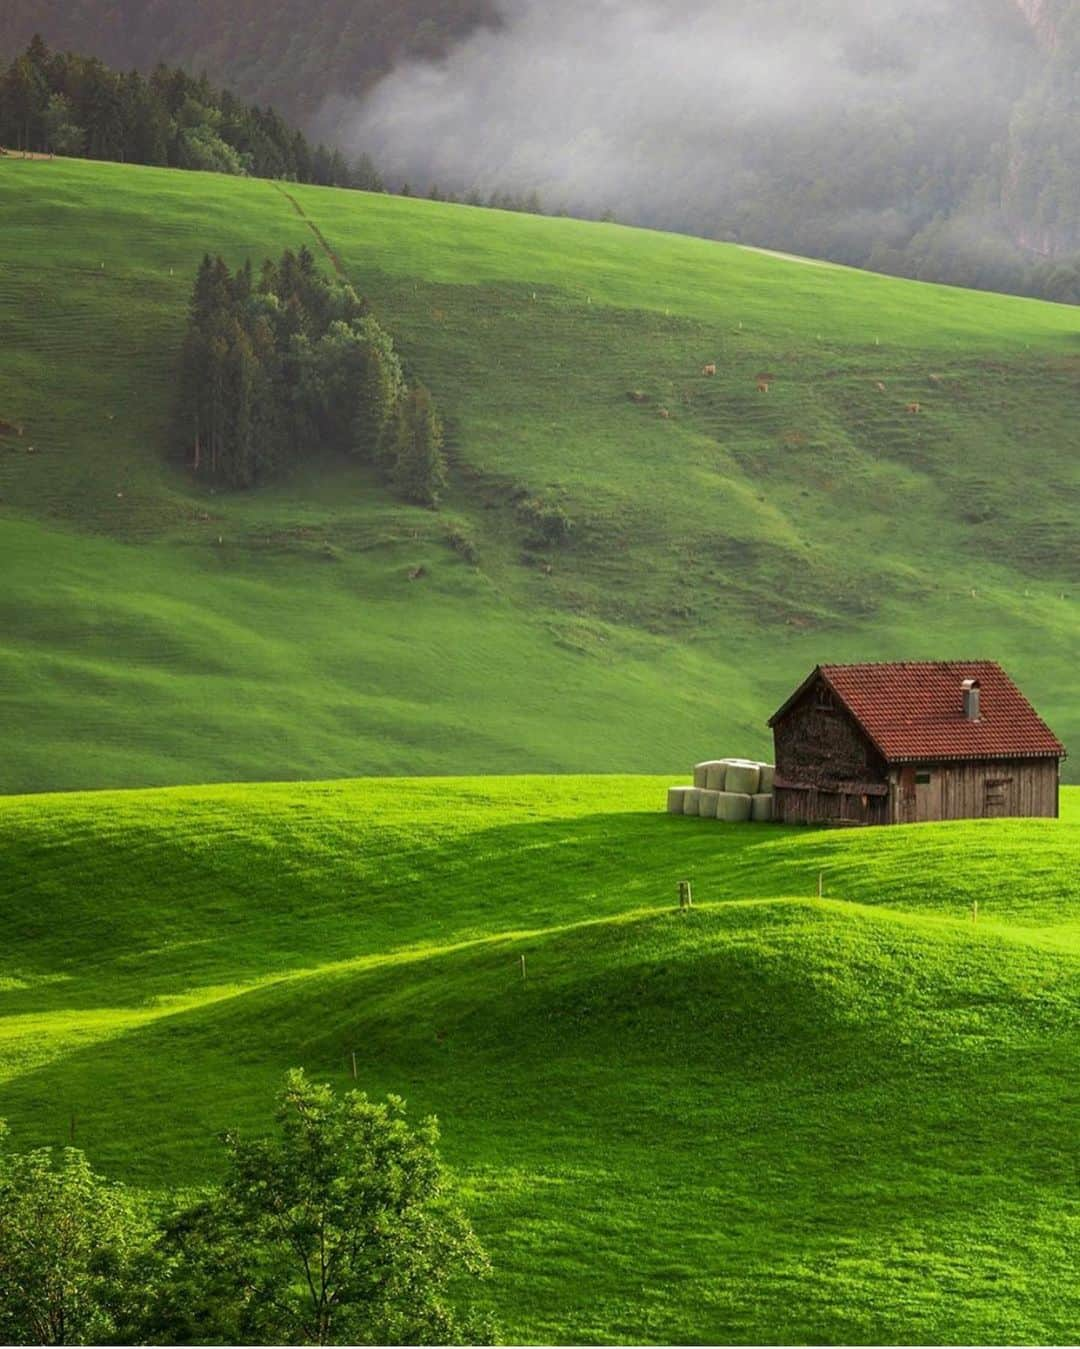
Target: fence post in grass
686 895
523 974
353 1057
975 911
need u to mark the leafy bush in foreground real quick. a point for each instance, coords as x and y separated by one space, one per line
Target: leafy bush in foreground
338 1230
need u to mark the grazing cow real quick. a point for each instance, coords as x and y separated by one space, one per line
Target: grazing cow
709 369
763 386
880 387
914 407
664 413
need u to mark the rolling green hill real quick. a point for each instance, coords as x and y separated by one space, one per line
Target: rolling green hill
769 1119
159 633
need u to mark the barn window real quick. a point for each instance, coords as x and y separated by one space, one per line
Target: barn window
922 777
823 699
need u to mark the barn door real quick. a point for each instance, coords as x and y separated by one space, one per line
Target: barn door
928 803
907 794
997 798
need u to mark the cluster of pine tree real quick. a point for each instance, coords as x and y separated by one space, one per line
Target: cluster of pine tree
278 366
59 103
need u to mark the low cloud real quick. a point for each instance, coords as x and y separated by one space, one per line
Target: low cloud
679 113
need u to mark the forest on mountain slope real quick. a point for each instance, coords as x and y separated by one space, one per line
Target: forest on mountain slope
935 139
65 104
289 53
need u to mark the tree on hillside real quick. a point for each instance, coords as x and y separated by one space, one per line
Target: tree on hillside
275 368
380 389
335 1230
23 99
69 1249
62 135
419 471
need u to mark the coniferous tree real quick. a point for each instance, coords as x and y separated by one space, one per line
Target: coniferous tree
62 135
380 390
419 471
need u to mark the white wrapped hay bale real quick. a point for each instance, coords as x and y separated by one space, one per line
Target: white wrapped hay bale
762 807
691 801
707 804
675 799
733 807
742 777
768 773
701 773
715 774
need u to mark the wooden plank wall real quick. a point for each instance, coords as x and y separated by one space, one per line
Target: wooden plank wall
792 805
1025 788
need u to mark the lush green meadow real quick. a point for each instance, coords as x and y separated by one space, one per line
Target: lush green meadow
771 1119
156 633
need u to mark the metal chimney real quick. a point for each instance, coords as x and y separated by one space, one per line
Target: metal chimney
971 699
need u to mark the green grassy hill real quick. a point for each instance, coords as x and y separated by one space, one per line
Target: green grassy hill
159 633
771 1119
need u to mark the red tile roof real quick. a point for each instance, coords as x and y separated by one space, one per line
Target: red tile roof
915 710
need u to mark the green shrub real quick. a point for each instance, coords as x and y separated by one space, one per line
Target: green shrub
549 526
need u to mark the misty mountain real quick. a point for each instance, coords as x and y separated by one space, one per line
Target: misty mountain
931 138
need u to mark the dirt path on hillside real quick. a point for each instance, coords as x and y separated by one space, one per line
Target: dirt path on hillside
451 448
335 261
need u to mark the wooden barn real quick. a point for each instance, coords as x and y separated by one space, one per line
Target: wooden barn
919 740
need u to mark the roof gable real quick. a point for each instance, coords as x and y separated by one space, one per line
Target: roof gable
914 710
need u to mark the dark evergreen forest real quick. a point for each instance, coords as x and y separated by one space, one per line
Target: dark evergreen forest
65 104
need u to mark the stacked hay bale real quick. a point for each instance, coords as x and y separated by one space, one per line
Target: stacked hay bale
732 790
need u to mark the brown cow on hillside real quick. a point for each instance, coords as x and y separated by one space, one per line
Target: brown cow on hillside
914 407
763 386
709 369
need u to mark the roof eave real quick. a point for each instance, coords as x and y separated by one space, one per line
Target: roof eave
1000 755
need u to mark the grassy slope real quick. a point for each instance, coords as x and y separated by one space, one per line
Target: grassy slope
771 1119
718 554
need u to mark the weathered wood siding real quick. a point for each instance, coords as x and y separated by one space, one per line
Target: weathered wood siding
819 742
815 805
983 789
831 769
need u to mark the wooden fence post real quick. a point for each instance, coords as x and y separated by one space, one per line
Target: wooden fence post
686 895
